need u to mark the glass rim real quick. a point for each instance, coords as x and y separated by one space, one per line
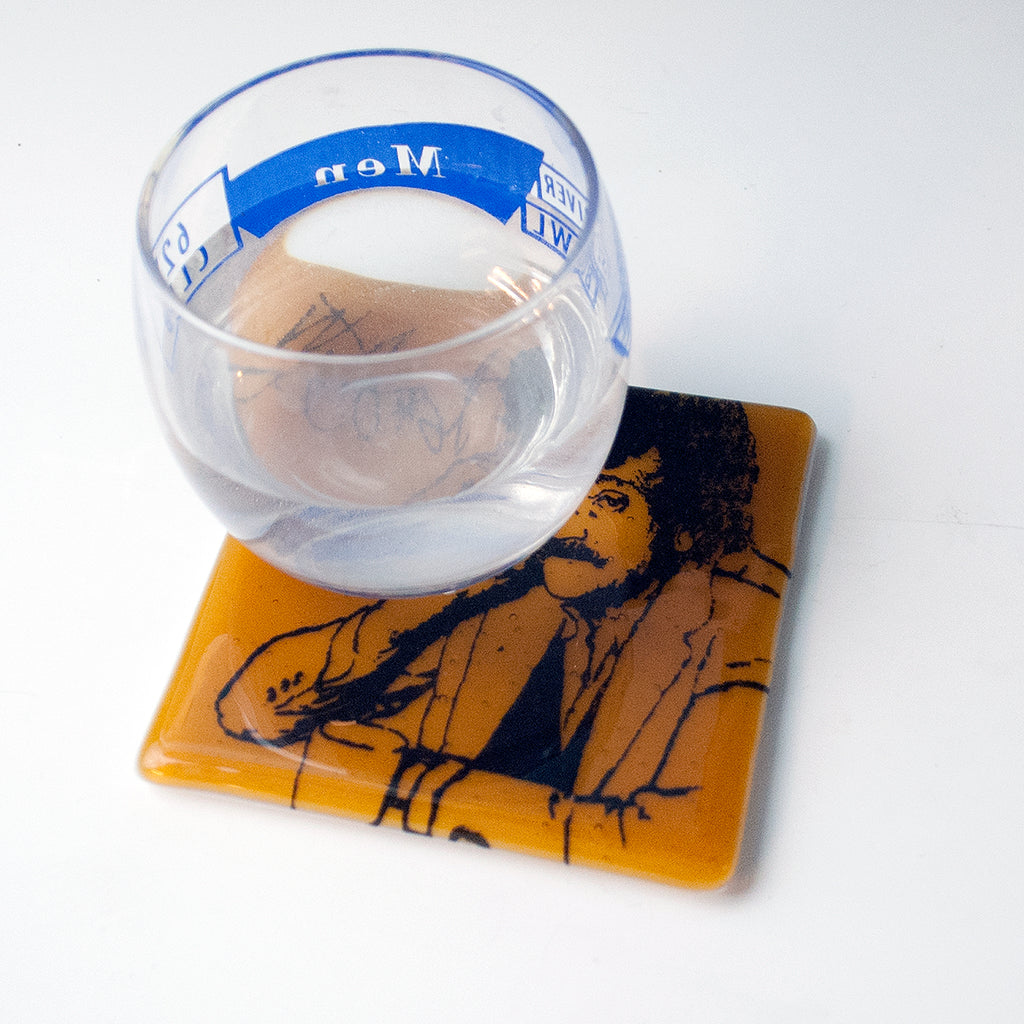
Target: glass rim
494 327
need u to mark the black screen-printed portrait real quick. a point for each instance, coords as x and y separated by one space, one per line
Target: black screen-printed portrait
598 703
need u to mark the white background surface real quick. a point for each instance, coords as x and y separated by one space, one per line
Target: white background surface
822 206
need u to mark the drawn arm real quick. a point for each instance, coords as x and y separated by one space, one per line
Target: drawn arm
283 683
346 669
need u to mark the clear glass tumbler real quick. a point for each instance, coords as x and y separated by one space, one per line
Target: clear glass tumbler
384 315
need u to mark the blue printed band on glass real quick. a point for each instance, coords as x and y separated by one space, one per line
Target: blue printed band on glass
492 171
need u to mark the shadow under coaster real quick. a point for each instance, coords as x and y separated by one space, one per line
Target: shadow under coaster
600 703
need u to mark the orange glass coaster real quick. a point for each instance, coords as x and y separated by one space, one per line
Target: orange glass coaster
599 703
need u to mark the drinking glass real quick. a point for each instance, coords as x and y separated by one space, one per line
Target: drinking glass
383 312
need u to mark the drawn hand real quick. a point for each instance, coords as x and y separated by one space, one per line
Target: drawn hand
271 695
368 751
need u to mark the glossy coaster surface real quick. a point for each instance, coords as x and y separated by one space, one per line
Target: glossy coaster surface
600 703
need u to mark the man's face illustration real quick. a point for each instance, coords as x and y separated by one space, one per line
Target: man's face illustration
607 542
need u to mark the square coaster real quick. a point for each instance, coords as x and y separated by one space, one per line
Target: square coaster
599 703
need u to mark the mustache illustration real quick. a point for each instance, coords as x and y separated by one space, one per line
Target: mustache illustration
574 548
